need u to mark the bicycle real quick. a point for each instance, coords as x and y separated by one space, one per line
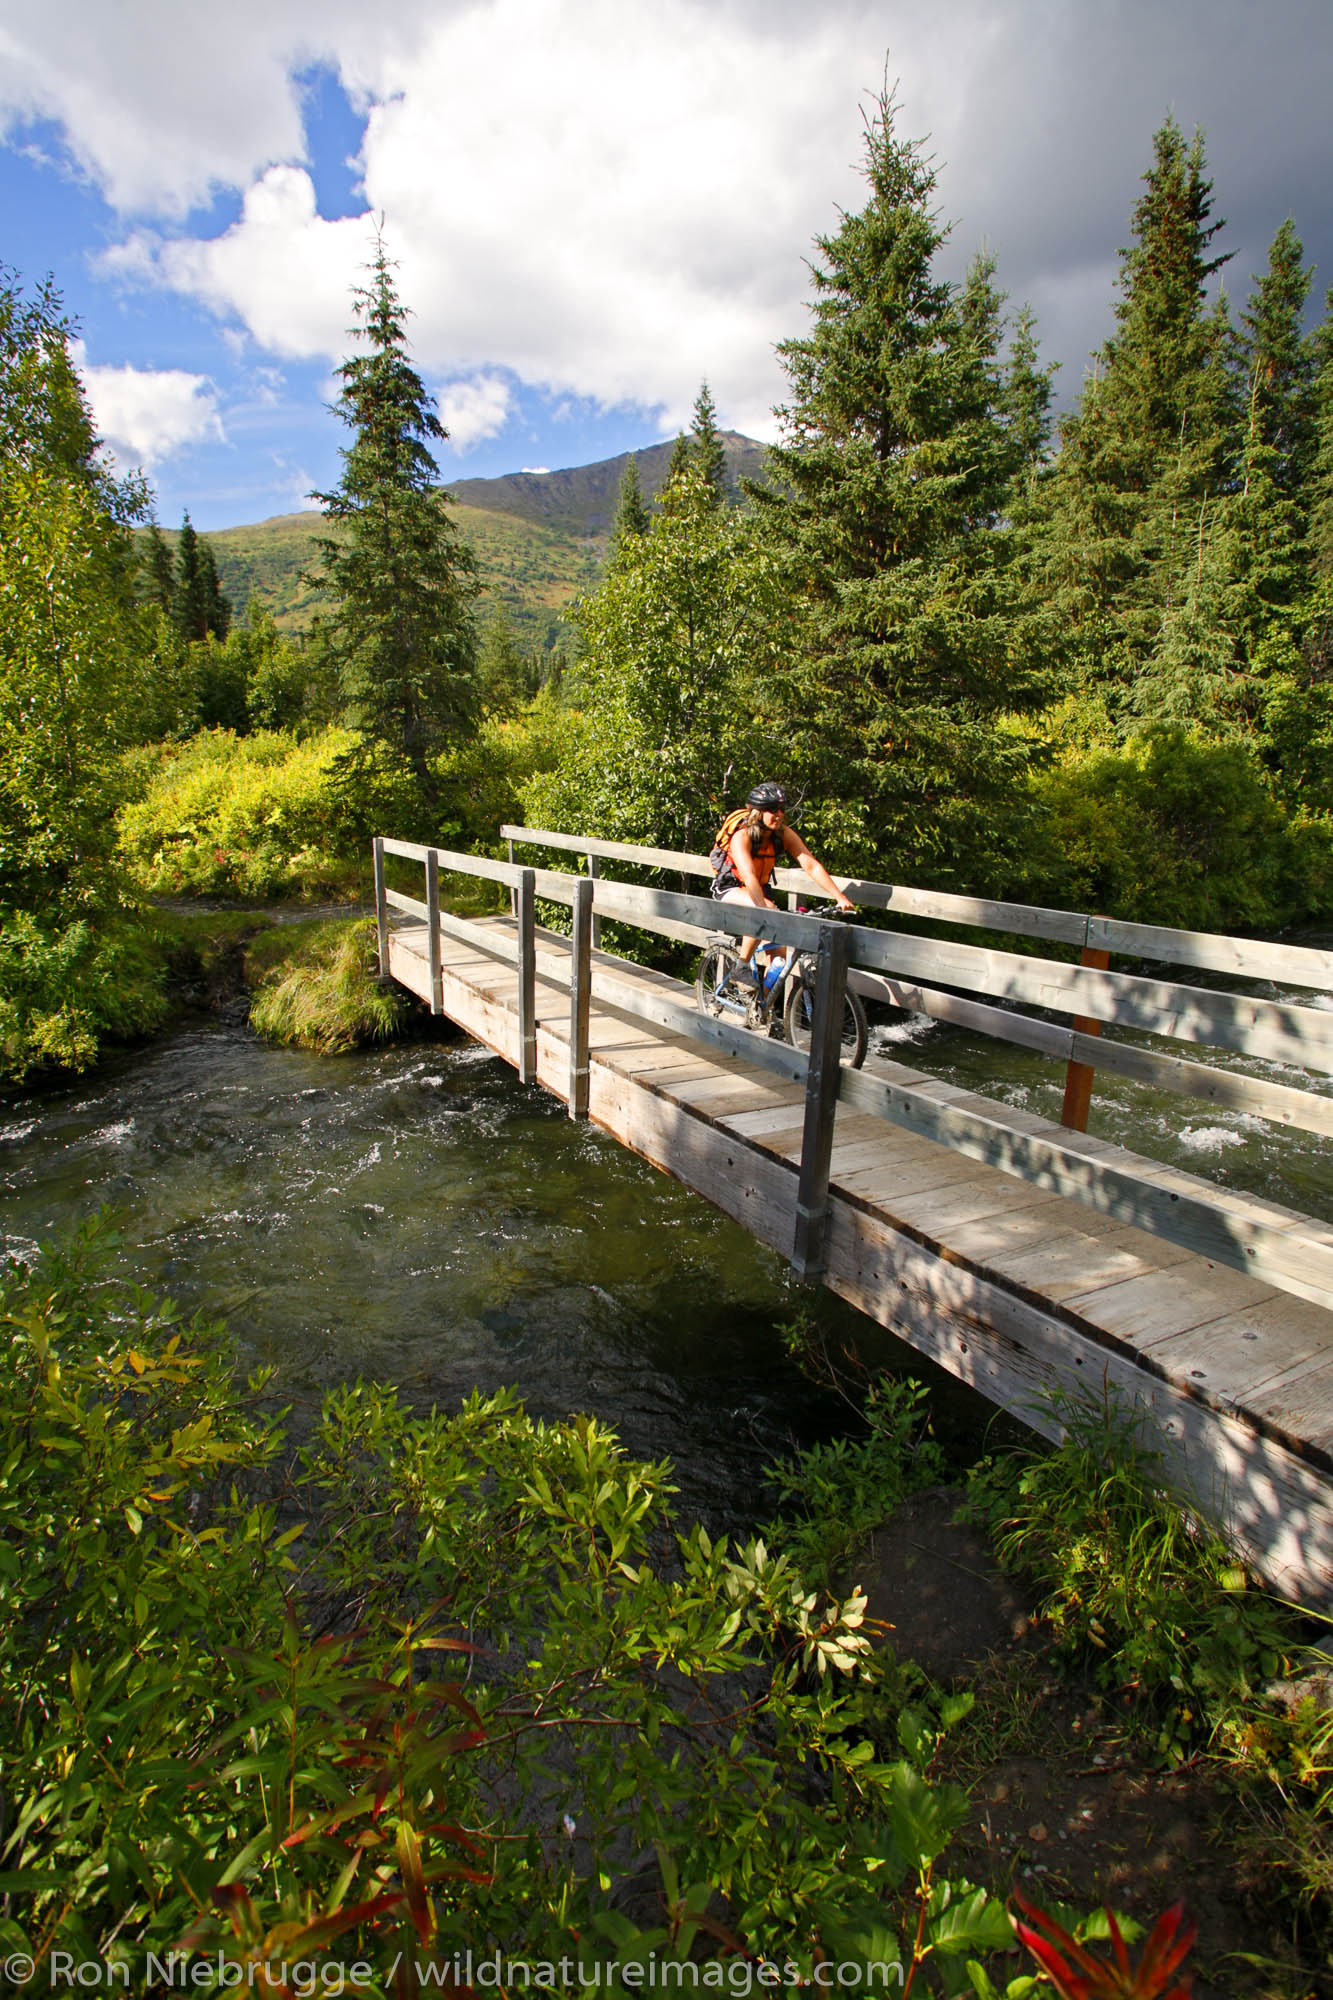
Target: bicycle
781 1000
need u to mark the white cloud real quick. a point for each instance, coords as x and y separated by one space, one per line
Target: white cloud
475 409
145 414
283 270
609 201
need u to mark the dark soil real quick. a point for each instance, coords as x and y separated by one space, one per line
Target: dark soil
1067 1803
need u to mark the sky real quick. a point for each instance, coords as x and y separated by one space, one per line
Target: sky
592 205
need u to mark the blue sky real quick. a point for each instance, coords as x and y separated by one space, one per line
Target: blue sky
592 206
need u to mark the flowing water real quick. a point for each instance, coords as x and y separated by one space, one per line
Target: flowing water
416 1216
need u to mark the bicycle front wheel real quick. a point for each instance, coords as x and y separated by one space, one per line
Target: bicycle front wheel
715 968
798 1018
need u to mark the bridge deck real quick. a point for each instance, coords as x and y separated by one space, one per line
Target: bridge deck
1013 1289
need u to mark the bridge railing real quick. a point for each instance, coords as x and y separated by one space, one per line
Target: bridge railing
1240 1231
959 982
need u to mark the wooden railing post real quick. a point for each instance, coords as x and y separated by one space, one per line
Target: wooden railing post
526 897
433 929
821 1102
381 907
513 893
1078 1076
580 997
594 870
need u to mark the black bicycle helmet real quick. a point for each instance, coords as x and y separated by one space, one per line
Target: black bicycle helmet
768 797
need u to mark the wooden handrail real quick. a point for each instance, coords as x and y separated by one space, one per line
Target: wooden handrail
1244 1232
1285 964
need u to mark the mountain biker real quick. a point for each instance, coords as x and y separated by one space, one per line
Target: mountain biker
751 845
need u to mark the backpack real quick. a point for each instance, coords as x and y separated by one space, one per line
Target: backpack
730 825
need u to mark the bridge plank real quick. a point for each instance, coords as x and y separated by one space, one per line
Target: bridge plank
1253 1356
913 1172
1071 1264
1303 1406
947 1210
1140 1310
1014 1230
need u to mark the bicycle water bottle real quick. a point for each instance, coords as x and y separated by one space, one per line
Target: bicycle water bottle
773 974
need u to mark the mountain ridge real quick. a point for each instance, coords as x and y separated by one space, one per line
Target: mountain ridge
540 539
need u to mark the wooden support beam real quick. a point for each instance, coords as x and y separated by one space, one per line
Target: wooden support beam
381 908
580 997
1078 1075
513 892
525 897
821 1103
594 870
433 930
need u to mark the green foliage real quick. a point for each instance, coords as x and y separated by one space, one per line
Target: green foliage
676 645
66 987
834 1494
436 1698
325 994
401 580
259 816
67 616
1140 1591
1170 828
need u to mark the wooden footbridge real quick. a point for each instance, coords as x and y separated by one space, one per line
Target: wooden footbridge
1021 1255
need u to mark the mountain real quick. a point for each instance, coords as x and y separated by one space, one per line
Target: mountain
583 500
540 539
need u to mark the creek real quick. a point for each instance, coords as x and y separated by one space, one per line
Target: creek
414 1215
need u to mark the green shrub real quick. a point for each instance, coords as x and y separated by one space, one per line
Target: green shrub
1141 1592
834 1494
258 816
66 987
1171 829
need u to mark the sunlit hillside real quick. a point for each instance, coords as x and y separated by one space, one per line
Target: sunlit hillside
539 538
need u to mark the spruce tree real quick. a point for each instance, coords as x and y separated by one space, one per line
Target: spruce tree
157 580
885 501
1147 456
706 447
679 462
402 580
190 594
632 516
1320 483
217 608
1025 404
1280 364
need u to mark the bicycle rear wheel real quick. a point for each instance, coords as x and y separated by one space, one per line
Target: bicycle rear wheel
798 1018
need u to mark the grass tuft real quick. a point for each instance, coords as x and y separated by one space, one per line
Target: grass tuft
323 993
